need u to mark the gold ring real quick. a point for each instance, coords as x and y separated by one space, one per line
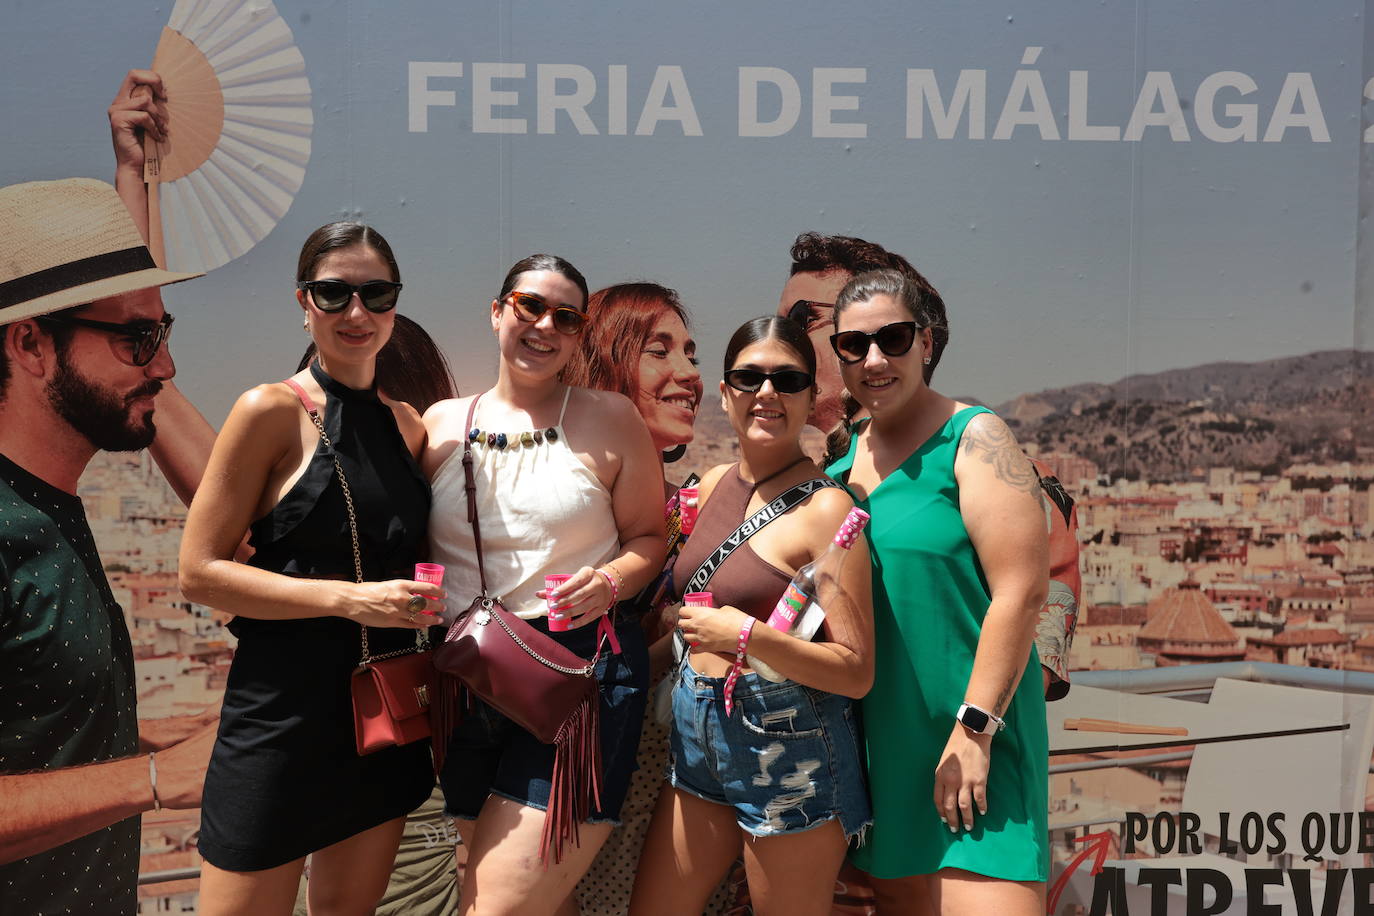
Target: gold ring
411 617
416 604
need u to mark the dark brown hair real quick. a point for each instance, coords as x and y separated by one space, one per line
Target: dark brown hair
550 262
771 327
336 236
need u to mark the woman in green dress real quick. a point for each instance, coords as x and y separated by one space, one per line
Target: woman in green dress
960 570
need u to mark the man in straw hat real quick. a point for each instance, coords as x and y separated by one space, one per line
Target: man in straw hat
82 358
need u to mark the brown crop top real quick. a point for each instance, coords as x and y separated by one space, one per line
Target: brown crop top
744 580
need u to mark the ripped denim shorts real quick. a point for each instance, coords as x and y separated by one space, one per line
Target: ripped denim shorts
786 760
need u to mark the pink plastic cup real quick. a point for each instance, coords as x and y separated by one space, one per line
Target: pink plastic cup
551 582
687 508
698 599
433 573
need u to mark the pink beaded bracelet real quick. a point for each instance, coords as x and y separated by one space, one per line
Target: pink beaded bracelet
745 630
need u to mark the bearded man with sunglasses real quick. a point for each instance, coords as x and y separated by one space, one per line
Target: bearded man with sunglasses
82 362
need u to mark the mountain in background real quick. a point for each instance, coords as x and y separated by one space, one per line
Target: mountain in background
1165 426
1252 416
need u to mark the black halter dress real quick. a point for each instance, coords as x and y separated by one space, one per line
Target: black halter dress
285 777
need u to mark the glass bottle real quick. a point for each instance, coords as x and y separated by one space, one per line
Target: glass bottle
798 613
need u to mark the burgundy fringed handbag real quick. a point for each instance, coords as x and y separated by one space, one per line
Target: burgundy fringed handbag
530 678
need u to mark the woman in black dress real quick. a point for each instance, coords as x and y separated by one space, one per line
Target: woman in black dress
285 779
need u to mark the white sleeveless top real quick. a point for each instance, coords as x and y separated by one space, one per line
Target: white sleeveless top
542 511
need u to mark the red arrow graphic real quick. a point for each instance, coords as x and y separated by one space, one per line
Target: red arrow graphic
1097 849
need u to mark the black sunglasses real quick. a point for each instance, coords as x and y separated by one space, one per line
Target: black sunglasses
785 381
529 307
809 313
145 337
893 339
332 295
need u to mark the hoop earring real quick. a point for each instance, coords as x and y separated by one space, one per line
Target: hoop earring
674 454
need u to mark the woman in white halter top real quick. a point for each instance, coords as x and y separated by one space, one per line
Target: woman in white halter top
567 482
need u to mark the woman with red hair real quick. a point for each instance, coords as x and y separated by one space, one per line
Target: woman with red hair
638 343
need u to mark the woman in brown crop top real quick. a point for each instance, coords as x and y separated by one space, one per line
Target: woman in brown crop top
780 773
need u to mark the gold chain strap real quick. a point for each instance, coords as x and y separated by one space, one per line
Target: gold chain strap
420 639
584 671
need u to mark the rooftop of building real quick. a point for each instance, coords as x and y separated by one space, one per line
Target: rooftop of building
1185 616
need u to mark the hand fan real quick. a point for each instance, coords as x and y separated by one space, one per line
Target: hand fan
238 138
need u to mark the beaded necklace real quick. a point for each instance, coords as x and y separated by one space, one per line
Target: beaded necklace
527 439
501 441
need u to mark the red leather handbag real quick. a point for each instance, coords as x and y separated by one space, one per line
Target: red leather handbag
391 700
534 681
391 692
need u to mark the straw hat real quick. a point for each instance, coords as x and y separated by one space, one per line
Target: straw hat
66 243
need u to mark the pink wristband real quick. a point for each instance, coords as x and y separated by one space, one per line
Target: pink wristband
745 631
614 590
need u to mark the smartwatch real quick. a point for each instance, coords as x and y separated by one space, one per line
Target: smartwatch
979 721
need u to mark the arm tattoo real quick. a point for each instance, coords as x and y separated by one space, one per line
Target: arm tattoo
999 708
991 441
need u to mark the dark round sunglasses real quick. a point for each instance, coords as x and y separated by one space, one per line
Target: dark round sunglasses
785 381
529 307
811 314
332 295
145 338
893 339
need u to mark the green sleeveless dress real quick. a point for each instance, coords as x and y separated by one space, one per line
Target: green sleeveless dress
929 599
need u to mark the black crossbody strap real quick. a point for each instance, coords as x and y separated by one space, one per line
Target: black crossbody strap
751 526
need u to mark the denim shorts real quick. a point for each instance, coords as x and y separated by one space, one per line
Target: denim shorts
489 754
786 760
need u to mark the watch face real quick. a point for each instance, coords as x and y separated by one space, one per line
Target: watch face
975 719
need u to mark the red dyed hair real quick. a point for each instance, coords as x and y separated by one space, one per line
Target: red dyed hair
620 320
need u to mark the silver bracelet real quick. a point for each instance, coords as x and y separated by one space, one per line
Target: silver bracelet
152 780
